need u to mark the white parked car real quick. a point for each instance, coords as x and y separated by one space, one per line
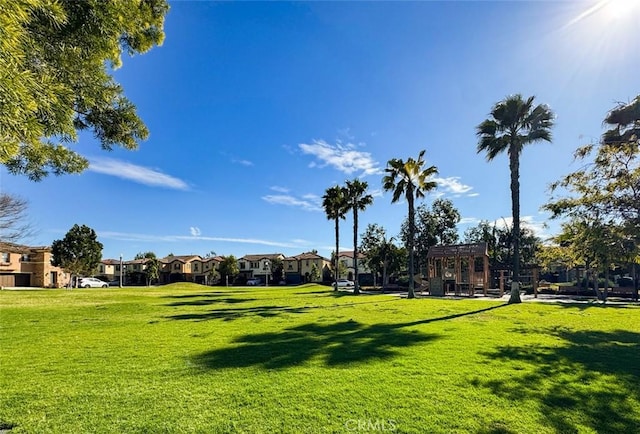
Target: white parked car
344 283
92 282
254 282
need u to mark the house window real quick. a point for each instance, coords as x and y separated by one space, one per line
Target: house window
176 266
102 268
307 262
25 257
195 267
5 257
242 265
290 266
117 268
255 265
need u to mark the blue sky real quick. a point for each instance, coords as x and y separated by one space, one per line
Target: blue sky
254 109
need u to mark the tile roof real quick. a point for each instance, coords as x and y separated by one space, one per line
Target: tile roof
257 257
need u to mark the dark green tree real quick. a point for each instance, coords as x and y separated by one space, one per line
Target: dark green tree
437 225
514 123
79 252
410 180
57 59
382 255
228 268
358 200
604 194
335 207
152 269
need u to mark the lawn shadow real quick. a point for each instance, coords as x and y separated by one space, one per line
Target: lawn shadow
573 383
229 314
211 300
334 344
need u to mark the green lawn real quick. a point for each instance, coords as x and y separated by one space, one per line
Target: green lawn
188 358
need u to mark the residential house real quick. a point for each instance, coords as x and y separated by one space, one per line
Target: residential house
109 269
258 266
347 260
177 268
134 271
206 271
29 266
299 268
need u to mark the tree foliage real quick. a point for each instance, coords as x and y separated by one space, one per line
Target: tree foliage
79 252
382 255
434 226
334 203
357 200
409 179
500 244
602 198
56 59
514 122
14 225
228 268
145 255
152 269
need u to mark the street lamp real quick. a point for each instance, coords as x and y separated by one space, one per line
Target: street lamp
120 270
266 268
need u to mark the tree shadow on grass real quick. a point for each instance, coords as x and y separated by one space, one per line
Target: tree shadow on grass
334 344
229 314
211 300
591 381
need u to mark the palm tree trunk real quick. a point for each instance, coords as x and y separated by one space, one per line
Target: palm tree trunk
514 165
412 230
356 284
337 265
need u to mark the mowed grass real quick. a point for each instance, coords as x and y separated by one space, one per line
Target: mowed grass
188 358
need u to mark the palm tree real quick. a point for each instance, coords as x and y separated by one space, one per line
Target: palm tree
335 206
357 200
514 123
409 179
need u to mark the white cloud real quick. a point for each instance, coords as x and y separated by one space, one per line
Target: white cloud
243 162
135 173
342 157
123 236
376 193
308 202
279 189
195 231
539 228
453 186
469 221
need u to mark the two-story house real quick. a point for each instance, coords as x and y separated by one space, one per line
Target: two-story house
206 270
347 260
300 268
177 268
29 266
109 269
258 266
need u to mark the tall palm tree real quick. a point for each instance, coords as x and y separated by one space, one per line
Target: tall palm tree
358 200
335 206
514 123
409 179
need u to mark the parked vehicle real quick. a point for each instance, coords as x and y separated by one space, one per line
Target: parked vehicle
92 282
344 283
114 283
254 282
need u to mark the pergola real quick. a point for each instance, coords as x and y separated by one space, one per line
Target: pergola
458 267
